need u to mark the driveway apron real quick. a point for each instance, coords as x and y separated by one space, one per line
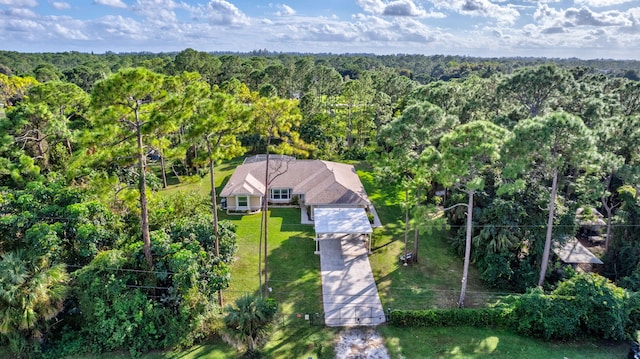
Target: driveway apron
349 292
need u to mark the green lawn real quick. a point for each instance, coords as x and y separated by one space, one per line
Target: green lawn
294 276
467 343
434 282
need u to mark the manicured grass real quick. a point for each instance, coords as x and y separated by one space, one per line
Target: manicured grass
432 282
201 185
214 349
465 342
294 274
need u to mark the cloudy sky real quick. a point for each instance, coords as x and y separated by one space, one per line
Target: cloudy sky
490 28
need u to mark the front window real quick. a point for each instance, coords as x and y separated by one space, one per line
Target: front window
280 193
243 201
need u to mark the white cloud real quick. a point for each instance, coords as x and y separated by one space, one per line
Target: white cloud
111 3
156 10
552 20
20 13
601 3
220 12
579 31
19 3
285 10
61 5
119 27
392 8
485 8
70 33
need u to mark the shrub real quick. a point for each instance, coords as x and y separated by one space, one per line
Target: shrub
249 320
546 316
486 317
586 305
600 304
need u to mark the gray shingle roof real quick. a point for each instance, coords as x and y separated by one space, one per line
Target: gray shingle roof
322 182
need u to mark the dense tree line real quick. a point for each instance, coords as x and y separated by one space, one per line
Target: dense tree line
508 151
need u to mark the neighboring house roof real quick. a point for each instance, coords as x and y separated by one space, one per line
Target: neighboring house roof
322 182
575 253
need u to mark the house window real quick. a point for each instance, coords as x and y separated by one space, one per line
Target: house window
280 193
243 201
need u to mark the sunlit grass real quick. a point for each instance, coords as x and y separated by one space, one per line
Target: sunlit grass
468 343
432 282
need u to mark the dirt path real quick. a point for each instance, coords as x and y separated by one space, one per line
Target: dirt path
360 343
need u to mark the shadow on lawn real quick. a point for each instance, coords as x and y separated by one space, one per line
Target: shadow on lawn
296 284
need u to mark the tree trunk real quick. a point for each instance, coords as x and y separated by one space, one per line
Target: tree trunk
547 243
609 208
467 251
608 235
142 182
265 220
406 223
163 168
214 211
415 232
68 143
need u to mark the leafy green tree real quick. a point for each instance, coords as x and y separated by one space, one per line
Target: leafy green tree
250 319
120 310
46 118
535 88
546 148
13 88
409 150
55 220
123 103
467 152
356 108
47 72
190 60
167 120
275 120
218 122
32 291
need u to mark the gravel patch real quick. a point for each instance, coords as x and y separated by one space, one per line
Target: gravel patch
360 343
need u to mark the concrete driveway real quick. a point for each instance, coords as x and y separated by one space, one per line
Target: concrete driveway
349 293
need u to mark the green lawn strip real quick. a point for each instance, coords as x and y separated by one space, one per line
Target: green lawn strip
294 278
467 343
213 349
201 185
435 280
294 273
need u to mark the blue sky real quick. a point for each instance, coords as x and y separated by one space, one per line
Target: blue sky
491 28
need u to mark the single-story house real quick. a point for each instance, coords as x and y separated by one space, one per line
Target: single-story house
308 183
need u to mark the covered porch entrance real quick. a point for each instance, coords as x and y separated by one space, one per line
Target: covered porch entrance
330 222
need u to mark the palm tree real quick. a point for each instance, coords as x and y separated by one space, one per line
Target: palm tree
31 292
249 320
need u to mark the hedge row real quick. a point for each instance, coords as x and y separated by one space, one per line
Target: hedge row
486 317
585 305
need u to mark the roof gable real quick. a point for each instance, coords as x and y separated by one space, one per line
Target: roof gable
322 182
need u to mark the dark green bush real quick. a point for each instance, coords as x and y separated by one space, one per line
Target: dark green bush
586 305
633 308
605 314
547 316
486 317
